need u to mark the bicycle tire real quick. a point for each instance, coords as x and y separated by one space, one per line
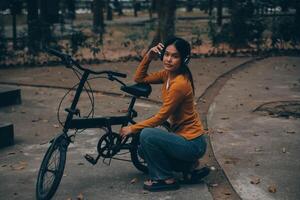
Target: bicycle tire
138 161
42 191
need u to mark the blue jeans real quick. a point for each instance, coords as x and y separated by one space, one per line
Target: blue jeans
165 152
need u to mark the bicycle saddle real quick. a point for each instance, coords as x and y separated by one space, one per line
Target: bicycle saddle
138 90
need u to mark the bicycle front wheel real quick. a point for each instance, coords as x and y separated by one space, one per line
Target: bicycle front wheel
51 169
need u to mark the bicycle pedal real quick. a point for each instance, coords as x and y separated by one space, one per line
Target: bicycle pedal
90 159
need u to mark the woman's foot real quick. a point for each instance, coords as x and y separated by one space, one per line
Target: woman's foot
161 185
195 176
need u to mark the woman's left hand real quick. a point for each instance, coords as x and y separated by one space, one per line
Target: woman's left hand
125 131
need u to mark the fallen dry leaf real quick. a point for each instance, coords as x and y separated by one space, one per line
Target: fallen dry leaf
123 111
272 188
229 162
219 131
259 149
145 192
36 120
224 118
80 196
19 166
290 132
214 185
255 180
133 181
202 100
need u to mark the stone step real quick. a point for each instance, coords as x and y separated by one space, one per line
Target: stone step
9 96
6 134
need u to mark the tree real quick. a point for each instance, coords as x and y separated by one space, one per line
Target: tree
109 13
210 7
98 18
48 16
219 12
136 7
152 7
15 9
297 21
166 21
71 9
239 28
189 5
118 6
33 25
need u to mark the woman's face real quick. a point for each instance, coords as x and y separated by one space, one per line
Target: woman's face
171 59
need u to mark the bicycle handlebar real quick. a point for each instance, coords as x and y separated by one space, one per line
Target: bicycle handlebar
69 61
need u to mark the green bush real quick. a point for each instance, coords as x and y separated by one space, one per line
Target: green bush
283 32
77 39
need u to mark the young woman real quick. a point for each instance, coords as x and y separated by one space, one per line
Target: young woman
164 151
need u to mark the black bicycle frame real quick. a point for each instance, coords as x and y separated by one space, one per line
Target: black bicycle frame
82 123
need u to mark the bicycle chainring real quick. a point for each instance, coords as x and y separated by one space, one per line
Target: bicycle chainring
109 144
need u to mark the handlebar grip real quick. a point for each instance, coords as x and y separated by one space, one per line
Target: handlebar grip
119 74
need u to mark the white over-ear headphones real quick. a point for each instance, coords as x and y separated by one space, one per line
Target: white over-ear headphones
186 60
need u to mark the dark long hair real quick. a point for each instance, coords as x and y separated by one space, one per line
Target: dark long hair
184 49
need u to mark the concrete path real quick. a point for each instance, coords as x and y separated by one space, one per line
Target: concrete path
35 124
258 152
250 146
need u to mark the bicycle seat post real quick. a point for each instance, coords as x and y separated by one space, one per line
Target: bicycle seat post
130 107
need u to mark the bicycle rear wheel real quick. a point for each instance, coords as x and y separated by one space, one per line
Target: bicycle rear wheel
52 169
136 159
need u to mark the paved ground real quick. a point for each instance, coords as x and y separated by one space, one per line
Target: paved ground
241 141
254 146
35 123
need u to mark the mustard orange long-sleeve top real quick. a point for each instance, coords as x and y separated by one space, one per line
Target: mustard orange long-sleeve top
178 103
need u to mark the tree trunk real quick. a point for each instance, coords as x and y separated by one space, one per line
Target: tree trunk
297 21
119 7
14 25
220 12
33 25
71 9
189 6
45 19
210 7
166 21
109 14
98 18
135 7
15 9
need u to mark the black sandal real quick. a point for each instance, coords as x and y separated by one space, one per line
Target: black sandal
161 185
195 176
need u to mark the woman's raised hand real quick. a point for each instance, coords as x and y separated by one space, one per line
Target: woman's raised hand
155 51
